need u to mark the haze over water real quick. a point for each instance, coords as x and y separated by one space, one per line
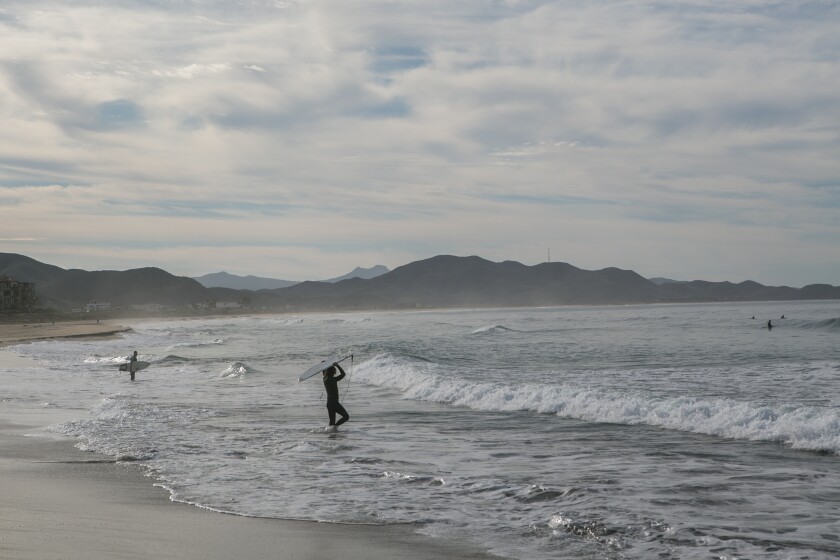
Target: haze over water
669 431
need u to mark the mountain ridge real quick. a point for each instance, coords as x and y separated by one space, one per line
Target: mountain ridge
442 281
255 283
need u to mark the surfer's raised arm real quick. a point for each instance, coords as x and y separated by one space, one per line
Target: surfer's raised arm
340 376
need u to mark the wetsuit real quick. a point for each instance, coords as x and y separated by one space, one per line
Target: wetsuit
131 361
333 406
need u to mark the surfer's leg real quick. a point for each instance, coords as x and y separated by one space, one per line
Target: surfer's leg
344 416
331 411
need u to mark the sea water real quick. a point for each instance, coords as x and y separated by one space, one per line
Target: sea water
655 431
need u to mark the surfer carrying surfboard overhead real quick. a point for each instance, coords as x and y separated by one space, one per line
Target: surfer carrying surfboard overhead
331 385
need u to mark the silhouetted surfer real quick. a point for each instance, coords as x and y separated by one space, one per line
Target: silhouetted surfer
331 385
769 324
131 361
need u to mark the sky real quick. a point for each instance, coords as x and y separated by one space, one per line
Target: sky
298 139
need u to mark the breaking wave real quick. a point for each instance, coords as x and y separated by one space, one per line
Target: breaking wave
236 369
493 329
798 426
825 324
196 344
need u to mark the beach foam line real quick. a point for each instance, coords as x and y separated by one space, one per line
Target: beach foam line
61 502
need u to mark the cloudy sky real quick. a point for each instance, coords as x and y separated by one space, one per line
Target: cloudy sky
298 139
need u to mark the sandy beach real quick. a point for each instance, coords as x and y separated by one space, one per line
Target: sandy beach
15 333
63 503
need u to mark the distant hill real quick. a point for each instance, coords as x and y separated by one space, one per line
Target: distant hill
450 281
63 289
253 283
443 281
359 272
130 287
26 269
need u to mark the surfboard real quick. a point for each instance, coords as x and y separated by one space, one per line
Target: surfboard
136 366
325 363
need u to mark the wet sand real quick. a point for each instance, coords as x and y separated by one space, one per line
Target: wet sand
16 333
63 503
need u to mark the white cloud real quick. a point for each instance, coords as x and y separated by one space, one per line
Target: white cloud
410 128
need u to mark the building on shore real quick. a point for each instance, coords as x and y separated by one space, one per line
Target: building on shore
244 303
16 296
97 306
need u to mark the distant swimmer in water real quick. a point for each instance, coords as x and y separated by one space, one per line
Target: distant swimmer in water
782 317
769 325
753 317
331 386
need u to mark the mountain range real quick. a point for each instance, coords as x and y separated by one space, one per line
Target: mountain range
443 281
255 283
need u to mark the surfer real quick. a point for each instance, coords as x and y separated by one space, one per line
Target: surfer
769 324
331 386
131 361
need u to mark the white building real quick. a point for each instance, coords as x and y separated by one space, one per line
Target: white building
97 306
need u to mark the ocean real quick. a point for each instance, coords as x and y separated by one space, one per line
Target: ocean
637 432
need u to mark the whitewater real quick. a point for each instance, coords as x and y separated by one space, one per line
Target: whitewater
669 431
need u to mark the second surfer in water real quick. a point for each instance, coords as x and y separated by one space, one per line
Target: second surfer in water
131 361
331 386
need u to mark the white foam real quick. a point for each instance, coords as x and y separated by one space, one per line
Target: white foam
195 344
314 320
123 428
492 329
108 360
236 369
799 426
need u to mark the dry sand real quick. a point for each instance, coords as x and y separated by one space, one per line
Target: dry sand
57 502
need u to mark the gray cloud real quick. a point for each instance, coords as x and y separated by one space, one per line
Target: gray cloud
327 134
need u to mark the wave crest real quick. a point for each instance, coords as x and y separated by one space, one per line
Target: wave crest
825 324
493 329
800 427
236 369
196 344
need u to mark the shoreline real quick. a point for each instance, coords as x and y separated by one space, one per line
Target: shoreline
20 333
61 502
64 503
